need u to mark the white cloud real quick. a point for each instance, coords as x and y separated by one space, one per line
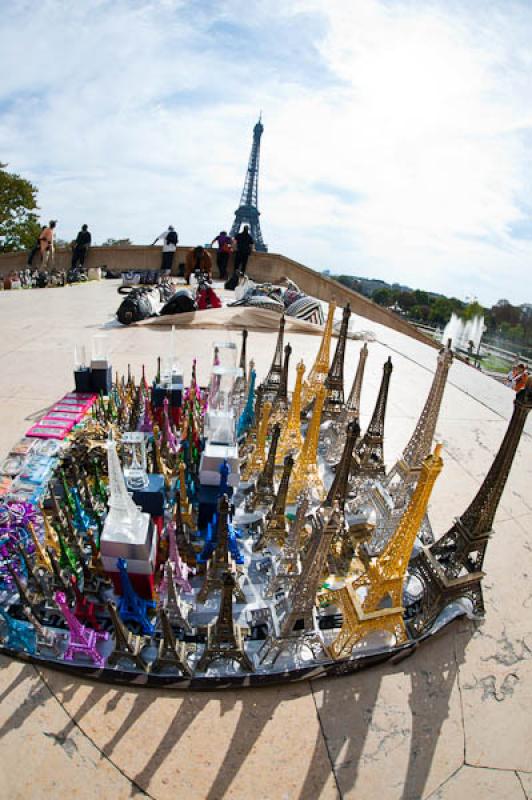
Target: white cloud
396 134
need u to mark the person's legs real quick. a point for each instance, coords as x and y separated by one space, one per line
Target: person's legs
244 261
238 260
222 259
166 265
32 254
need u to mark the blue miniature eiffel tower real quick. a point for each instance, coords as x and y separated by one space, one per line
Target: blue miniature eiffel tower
20 635
210 542
131 607
82 519
245 421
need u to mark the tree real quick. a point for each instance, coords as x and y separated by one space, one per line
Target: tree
19 225
115 242
473 310
384 297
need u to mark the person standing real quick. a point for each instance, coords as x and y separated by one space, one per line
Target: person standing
35 249
225 248
47 242
81 247
244 245
170 240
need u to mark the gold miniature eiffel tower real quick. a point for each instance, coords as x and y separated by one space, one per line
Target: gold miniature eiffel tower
220 562
265 489
42 559
320 368
280 403
291 440
382 607
275 528
127 645
306 475
224 637
160 464
184 503
171 653
257 458
299 628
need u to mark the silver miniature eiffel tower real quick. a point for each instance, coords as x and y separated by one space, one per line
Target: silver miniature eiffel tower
176 609
289 566
127 646
171 653
224 637
280 403
220 561
271 382
275 526
299 628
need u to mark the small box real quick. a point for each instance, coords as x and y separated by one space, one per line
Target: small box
102 379
82 379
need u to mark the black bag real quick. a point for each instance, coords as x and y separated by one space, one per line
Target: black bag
232 283
42 280
179 303
138 304
171 237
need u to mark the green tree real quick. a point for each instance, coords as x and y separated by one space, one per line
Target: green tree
384 297
473 310
19 225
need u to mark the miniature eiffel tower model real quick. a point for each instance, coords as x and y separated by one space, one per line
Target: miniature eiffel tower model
271 382
225 638
289 565
180 568
384 575
265 488
320 368
127 646
291 440
220 562
256 460
251 437
334 382
342 550
402 478
50 535
42 560
451 568
335 434
275 527
368 460
240 386
175 608
83 640
306 475
280 403
160 464
171 653
184 504
299 629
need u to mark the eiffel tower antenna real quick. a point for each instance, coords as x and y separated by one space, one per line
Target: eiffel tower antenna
248 213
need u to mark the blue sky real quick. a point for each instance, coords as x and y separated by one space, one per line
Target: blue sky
397 135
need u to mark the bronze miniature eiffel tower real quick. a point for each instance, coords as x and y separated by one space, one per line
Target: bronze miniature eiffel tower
402 478
451 568
342 550
265 488
289 565
368 459
220 562
176 609
171 653
299 629
224 637
275 527
280 403
271 382
127 645
334 382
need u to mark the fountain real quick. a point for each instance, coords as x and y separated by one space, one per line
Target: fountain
464 332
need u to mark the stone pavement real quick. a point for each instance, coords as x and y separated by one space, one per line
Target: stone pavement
450 722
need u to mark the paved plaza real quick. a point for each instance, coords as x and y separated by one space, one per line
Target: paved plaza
451 722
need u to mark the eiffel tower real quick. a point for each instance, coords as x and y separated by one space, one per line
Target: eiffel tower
170 653
368 459
334 382
451 568
401 480
299 629
265 488
224 637
275 527
248 213
270 384
280 403
220 562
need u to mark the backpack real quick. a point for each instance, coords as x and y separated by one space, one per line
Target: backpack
181 302
138 304
171 237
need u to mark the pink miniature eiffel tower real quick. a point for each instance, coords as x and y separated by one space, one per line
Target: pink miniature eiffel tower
146 424
171 438
181 569
83 640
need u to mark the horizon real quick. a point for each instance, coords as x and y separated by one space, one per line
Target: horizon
396 137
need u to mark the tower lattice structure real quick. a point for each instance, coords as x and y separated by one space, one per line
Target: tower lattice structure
248 212
320 368
368 460
306 475
451 568
335 434
334 382
275 527
298 629
225 638
402 478
291 439
265 487
280 403
384 574
289 566
220 562
270 384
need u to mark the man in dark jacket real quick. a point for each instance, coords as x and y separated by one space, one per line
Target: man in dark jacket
244 245
81 247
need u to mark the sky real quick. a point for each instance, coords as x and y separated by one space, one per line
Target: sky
397 133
